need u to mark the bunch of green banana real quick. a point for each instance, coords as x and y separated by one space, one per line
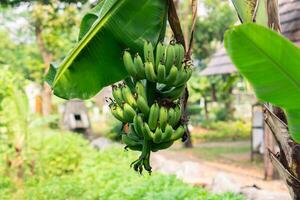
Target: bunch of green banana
168 67
149 104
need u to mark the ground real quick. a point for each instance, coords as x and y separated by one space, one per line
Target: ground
232 158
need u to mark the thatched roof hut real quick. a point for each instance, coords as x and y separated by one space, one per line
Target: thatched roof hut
289 11
219 64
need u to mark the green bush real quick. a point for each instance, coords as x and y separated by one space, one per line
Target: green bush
194 109
230 130
115 132
68 168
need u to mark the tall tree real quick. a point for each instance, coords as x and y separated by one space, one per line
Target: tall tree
50 20
215 18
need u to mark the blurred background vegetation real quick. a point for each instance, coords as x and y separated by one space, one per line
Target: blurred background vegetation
38 160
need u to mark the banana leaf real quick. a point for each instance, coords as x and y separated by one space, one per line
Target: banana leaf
252 11
105 31
271 63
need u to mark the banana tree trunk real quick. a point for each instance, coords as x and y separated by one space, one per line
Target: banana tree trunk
287 160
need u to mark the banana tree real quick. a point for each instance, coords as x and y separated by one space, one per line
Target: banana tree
271 64
153 88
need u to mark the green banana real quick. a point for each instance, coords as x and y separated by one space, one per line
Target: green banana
143 105
138 125
168 133
173 93
129 65
134 148
161 146
128 96
130 141
181 78
117 94
171 117
153 116
150 72
178 133
146 163
140 89
148 134
163 117
163 87
139 65
171 78
157 136
177 115
179 52
129 113
133 134
161 73
118 113
170 57
148 52
160 54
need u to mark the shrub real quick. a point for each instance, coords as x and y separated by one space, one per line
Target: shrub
230 130
68 168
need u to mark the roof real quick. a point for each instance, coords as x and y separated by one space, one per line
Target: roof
219 64
289 11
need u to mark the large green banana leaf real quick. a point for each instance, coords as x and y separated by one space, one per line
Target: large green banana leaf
252 10
271 63
108 29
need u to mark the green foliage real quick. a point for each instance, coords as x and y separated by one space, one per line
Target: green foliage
50 32
194 109
221 131
57 25
98 175
62 155
108 29
200 87
270 63
19 58
14 113
214 89
8 81
115 133
17 2
211 27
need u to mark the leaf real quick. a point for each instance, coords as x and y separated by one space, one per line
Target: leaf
89 19
15 108
108 29
51 73
271 64
245 9
252 10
